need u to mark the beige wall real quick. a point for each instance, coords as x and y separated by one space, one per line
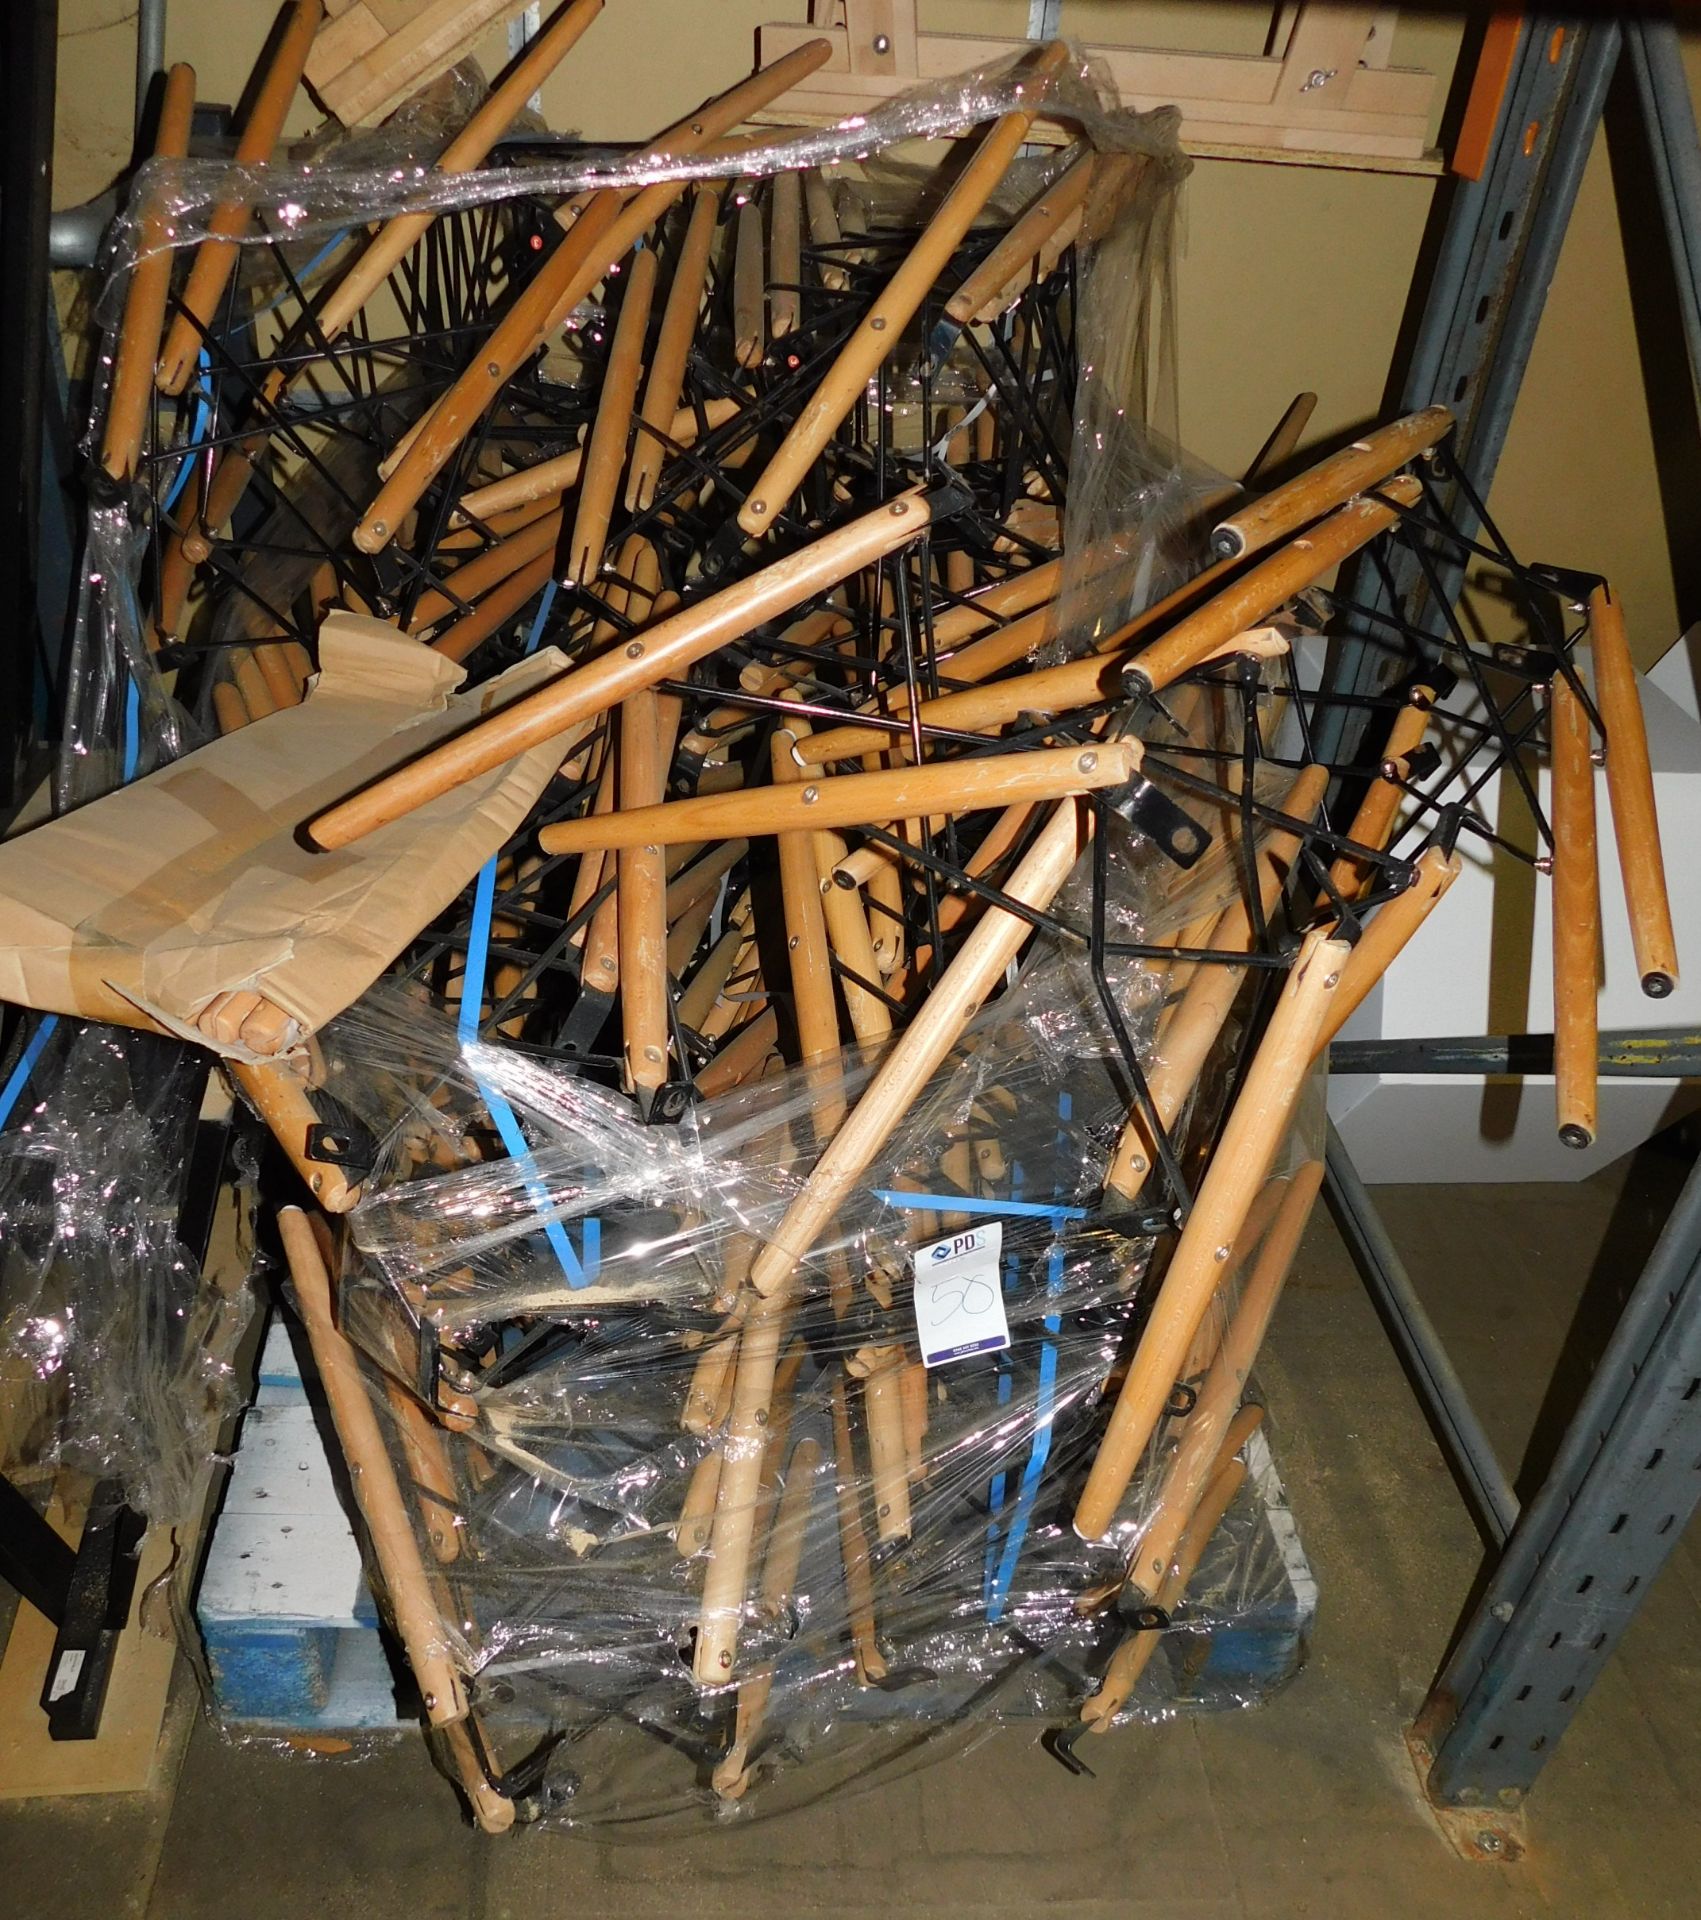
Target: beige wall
1290 278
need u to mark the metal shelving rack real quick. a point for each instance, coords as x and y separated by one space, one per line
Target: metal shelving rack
1577 1560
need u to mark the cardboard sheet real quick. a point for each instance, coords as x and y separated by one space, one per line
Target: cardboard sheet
150 905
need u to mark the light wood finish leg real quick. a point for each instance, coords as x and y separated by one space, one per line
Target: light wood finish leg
1576 919
831 801
1219 1397
145 299
1383 940
1630 792
606 453
1195 1021
216 256
1256 1125
377 1491
663 650
1320 489
661 409
648 723
1134 1655
881 328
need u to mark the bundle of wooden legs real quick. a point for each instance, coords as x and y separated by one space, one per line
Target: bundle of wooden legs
786 1255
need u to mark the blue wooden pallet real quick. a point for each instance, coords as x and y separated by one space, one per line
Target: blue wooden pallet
290 1631
292 1637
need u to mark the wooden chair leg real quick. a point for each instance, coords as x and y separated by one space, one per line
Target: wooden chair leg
1134 1655
1219 1397
1576 920
1630 792
1256 1125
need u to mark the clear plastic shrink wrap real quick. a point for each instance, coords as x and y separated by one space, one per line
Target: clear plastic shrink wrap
669 1511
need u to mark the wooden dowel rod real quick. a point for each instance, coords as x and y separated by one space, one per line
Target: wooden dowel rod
1284 442
1390 928
477 576
1003 600
1207 1342
145 298
463 637
785 253
853 1545
703 877
1320 489
666 378
1256 594
1254 1131
813 1005
662 651
1630 793
791 1520
1134 1655
228 709
883 1411
739 1059
881 328
848 936
779 1579
1196 1021
428 1467
281 684
1576 918
601 235
726 1578
587 880
824 227
697 1513
749 323
1219 1398
1016 251
860 799
230 219
605 454
1373 824
549 479
648 723
280 1098
703 989
377 1492
1088 681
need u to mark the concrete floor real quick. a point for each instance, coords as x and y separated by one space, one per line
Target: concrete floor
1304 1807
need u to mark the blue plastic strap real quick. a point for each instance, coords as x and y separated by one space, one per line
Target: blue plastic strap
507 1126
969 1203
1044 1410
197 433
19 1077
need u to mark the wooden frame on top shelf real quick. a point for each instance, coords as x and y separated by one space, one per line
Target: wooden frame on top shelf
1329 99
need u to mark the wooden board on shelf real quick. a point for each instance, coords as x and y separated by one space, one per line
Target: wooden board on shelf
1328 99
369 55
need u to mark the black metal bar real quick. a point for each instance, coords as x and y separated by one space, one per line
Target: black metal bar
1631 1054
1439 1390
33 1559
29 42
97 1606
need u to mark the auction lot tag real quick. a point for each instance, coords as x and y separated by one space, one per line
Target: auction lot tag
959 1303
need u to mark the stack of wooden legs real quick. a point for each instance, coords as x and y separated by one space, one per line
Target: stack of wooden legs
786 1256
